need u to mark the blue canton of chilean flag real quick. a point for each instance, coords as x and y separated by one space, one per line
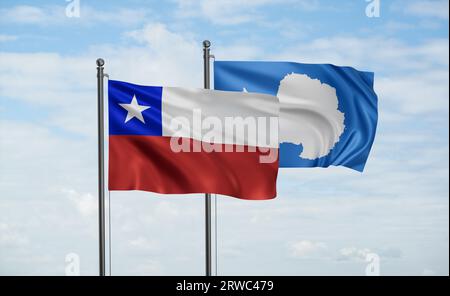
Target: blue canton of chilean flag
146 99
328 114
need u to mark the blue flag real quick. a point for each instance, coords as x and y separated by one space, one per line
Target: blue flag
328 114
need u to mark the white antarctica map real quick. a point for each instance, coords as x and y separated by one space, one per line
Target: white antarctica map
312 119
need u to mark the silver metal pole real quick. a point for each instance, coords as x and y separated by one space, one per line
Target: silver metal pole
208 249
101 168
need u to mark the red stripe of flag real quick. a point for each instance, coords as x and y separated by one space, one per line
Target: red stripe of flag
148 163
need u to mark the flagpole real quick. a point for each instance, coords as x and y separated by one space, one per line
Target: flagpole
101 167
208 242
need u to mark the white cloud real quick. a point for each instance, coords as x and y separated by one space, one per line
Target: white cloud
428 272
159 38
47 78
411 79
357 254
307 5
10 237
224 12
123 16
147 268
54 162
362 53
306 249
395 26
240 50
416 93
56 15
24 14
352 253
86 203
143 244
234 12
53 81
163 229
426 8
6 38
165 58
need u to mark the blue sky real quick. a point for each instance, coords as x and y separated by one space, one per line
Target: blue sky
323 222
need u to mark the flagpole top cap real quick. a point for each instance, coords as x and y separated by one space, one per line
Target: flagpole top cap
100 62
206 43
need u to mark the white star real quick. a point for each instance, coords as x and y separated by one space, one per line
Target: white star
134 110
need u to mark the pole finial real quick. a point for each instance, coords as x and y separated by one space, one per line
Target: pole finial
206 43
100 62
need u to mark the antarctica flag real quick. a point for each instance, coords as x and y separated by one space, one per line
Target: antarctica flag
177 140
328 114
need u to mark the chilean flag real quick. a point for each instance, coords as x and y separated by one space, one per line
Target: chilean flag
175 141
